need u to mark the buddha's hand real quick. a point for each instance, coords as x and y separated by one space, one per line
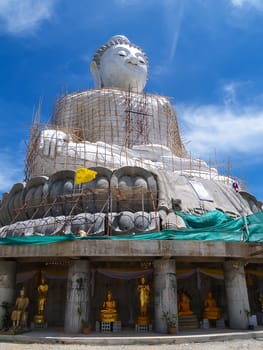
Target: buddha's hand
53 142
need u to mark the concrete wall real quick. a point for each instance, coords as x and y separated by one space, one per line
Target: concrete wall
149 248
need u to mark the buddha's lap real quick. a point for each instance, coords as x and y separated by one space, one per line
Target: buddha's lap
108 311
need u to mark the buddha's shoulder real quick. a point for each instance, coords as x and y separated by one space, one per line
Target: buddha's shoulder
115 95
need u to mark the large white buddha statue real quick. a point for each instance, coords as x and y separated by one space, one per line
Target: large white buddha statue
132 140
115 124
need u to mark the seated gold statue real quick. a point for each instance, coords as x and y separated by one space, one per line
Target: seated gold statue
19 315
184 305
109 313
211 311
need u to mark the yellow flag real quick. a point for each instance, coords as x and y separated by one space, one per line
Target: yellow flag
84 175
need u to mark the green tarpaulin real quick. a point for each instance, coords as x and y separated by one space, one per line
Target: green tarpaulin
211 226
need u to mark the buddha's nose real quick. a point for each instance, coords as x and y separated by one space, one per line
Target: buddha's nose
133 60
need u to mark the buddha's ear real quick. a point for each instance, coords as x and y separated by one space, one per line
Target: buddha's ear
95 74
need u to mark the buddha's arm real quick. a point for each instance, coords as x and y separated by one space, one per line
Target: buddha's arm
53 142
56 142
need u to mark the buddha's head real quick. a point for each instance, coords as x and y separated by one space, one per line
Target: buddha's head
209 294
121 64
109 295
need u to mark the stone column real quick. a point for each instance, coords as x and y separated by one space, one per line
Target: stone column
78 296
236 294
165 291
7 284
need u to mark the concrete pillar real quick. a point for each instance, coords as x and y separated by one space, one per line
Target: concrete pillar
78 296
7 284
236 294
165 291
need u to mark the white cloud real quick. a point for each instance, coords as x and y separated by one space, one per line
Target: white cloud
173 16
236 92
229 91
23 16
257 4
229 131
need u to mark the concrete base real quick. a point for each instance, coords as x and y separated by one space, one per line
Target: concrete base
132 338
34 325
143 327
16 331
107 327
188 322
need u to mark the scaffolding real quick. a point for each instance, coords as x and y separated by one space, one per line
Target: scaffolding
103 127
112 117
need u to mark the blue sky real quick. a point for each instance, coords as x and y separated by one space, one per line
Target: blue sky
206 55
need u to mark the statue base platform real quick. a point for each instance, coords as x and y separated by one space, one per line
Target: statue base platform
220 323
38 325
14 331
39 319
106 327
212 316
143 328
109 319
206 323
188 322
143 320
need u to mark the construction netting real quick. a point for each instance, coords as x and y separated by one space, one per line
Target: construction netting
211 226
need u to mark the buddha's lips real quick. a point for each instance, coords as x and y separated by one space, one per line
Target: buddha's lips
133 66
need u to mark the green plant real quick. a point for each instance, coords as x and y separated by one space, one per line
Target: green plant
85 323
79 311
248 312
170 319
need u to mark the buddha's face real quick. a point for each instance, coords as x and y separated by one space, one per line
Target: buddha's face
123 66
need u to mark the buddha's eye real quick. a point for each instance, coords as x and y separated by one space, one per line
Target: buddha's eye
122 53
141 60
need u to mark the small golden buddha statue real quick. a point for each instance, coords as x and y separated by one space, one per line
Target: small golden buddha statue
144 297
211 311
184 305
42 291
109 313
